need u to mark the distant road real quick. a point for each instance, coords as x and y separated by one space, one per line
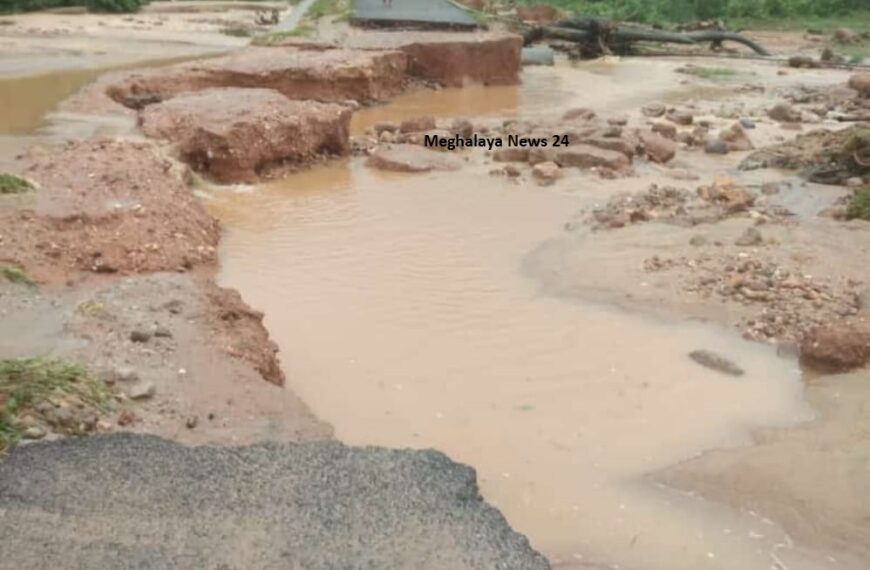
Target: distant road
435 12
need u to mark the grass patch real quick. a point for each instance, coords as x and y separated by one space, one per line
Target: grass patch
302 31
28 385
322 8
11 184
15 275
859 205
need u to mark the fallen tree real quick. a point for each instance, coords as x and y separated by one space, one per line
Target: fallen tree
596 36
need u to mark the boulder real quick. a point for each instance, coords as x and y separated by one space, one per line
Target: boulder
417 125
840 346
654 110
236 135
547 172
736 138
588 156
860 82
411 158
784 113
658 148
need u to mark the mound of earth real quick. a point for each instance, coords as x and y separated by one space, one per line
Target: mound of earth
127 501
318 75
236 135
827 157
106 206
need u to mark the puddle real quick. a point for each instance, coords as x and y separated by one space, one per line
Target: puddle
404 321
25 101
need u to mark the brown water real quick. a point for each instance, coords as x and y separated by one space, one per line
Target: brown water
404 321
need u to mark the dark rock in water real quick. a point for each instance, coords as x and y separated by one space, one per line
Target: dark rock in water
713 361
148 503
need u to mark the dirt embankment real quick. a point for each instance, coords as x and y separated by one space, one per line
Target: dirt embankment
236 135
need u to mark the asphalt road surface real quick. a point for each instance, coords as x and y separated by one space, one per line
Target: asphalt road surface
434 12
128 501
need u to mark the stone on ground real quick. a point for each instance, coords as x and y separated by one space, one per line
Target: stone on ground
411 158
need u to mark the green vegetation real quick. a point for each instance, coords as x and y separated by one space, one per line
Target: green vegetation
690 10
859 205
323 8
117 6
31 384
15 275
304 30
11 184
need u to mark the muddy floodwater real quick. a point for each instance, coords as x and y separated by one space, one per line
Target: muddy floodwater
405 320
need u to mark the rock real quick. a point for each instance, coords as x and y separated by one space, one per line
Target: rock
840 346
618 121
658 148
682 174
715 145
845 36
511 154
770 188
538 55
699 240
462 127
511 171
191 422
617 144
736 138
162 332
142 391
667 130
654 110
411 158
579 113
140 335
386 126
726 193
60 417
802 61
588 156
547 172
751 237
747 123
784 113
716 362
417 125
860 82
680 117
125 374
233 134
34 432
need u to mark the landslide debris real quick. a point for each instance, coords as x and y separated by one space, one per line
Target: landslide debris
823 156
240 135
105 206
